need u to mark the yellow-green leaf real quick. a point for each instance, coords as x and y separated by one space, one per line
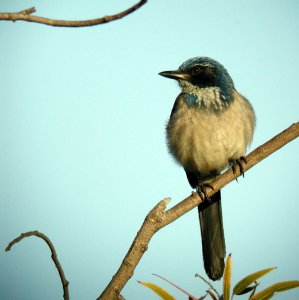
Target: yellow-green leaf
275 288
158 290
251 288
227 278
246 281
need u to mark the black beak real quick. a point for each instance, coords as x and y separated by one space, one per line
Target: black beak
177 74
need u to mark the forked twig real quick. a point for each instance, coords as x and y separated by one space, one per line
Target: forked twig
26 15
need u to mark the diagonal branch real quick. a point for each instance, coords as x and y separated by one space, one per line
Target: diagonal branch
26 15
158 217
64 281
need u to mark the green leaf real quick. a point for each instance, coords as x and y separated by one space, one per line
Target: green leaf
158 290
268 292
246 281
227 278
249 289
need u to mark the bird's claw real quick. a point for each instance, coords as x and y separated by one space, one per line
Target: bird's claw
239 163
202 191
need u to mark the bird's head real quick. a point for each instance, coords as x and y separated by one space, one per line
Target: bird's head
201 76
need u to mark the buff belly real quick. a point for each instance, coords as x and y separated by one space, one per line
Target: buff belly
205 141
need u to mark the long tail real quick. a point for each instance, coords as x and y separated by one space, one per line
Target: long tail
212 235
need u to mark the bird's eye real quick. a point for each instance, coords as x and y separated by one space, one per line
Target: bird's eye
196 70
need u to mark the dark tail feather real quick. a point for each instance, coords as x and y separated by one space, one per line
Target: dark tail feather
212 235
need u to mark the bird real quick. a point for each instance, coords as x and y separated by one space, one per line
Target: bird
210 128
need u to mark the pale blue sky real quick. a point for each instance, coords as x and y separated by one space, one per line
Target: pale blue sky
83 154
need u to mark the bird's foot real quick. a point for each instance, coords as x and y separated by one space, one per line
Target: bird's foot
201 190
239 163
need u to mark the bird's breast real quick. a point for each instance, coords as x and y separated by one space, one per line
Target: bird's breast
205 141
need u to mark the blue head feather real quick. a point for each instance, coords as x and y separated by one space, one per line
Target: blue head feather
222 79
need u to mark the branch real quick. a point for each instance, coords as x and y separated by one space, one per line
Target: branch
25 15
64 281
158 217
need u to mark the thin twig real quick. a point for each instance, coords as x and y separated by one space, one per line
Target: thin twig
25 15
191 297
208 283
28 11
64 281
157 218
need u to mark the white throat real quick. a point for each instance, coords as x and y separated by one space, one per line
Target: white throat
209 97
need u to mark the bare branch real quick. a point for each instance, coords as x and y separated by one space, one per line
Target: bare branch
64 281
157 218
25 15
